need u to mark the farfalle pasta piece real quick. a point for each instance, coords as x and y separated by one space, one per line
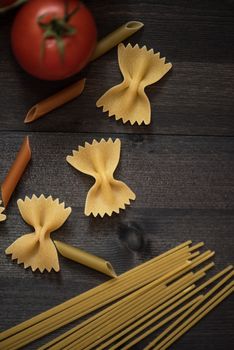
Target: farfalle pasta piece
36 250
2 216
127 101
100 160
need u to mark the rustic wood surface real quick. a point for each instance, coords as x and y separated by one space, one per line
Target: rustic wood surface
181 166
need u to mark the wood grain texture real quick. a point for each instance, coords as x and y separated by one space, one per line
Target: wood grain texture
196 97
184 188
181 166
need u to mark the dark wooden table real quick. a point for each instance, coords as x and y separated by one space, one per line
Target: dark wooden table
181 166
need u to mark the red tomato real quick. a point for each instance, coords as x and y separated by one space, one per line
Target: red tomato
53 41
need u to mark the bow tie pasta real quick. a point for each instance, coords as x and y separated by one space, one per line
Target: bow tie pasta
127 101
100 159
37 249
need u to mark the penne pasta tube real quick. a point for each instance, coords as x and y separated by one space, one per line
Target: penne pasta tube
55 101
85 258
16 171
116 37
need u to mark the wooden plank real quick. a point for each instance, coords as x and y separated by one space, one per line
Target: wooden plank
196 97
24 293
184 189
184 184
165 172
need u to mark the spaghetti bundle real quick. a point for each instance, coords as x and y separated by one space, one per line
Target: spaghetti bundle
161 292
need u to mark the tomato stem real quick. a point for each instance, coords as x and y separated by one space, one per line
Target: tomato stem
57 28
